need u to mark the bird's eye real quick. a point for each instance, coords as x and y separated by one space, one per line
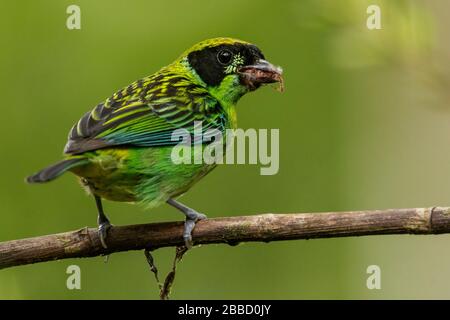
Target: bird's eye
224 56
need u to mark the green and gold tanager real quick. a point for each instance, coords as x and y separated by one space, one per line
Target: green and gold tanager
121 150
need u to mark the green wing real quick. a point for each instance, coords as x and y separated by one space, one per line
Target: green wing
145 114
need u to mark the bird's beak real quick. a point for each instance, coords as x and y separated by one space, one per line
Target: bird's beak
262 72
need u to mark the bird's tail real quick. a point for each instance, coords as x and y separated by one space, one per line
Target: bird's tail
54 171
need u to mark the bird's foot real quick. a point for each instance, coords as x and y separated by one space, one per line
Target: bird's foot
103 228
192 217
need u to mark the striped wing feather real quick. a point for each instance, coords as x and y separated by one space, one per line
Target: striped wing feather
145 114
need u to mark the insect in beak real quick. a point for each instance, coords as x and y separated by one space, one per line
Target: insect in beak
262 72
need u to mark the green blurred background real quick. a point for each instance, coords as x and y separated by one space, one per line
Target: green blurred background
364 124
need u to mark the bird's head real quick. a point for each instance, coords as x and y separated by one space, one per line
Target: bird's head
229 68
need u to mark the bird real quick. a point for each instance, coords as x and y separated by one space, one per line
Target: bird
121 149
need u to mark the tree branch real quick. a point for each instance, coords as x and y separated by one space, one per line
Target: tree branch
266 227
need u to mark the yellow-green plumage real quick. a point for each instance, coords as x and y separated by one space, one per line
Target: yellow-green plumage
145 175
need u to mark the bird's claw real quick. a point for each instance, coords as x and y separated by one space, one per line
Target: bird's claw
191 219
103 229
